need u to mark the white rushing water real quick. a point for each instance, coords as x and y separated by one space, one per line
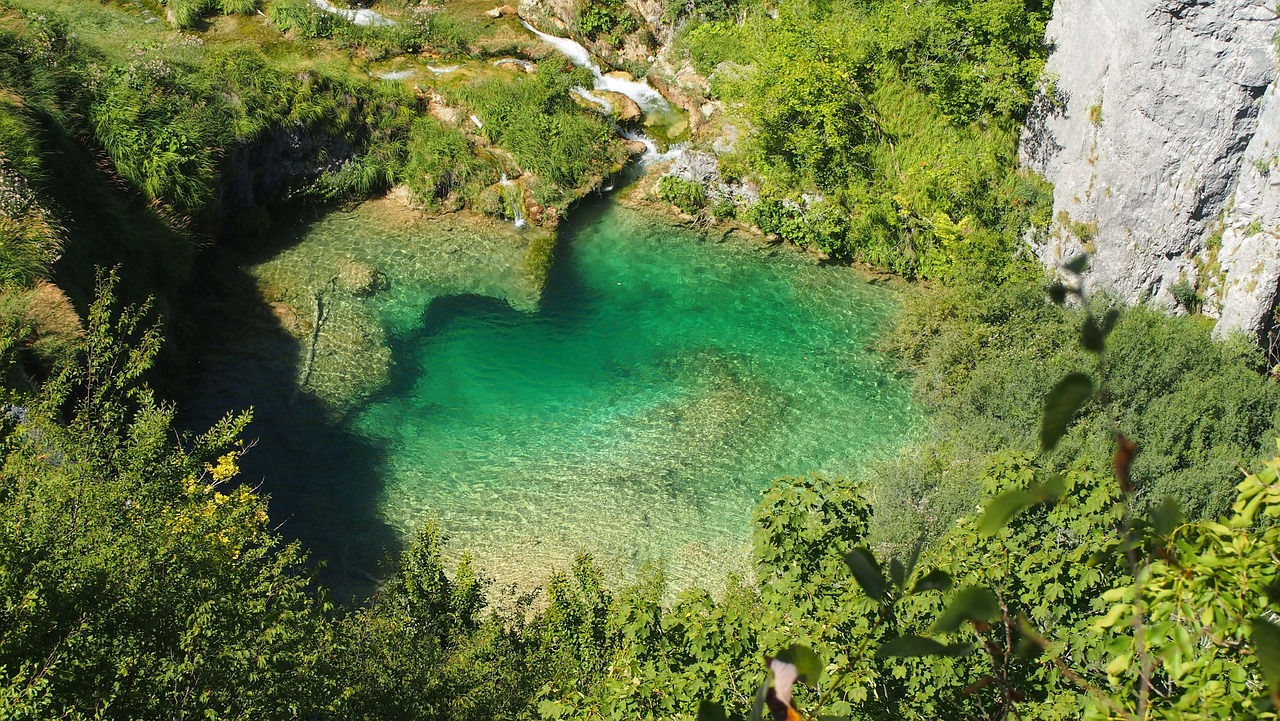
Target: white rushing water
363 16
593 98
651 154
646 97
396 75
517 202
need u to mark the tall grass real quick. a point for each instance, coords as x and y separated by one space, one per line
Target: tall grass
534 119
441 163
187 13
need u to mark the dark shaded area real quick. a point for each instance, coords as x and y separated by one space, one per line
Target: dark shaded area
324 482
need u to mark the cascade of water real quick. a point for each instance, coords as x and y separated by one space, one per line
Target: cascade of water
514 199
645 96
593 98
363 16
651 154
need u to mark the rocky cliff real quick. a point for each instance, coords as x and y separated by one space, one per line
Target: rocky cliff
1160 129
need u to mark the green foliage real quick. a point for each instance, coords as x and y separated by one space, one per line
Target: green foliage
610 18
684 194
187 13
901 119
137 579
422 30
303 17
441 163
160 135
985 358
533 118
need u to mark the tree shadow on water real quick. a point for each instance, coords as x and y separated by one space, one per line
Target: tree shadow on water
324 481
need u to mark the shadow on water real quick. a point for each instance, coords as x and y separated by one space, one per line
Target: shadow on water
323 480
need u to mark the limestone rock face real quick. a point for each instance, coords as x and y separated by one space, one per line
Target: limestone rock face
1157 121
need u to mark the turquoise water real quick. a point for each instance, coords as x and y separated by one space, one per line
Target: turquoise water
663 382
635 412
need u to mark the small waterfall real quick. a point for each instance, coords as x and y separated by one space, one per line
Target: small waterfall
364 16
646 97
514 198
593 98
651 154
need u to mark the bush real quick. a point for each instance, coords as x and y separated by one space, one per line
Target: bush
533 118
303 17
441 163
610 18
684 194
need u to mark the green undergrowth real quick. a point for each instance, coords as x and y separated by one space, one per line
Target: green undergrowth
983 357
139 580
882 131
534 119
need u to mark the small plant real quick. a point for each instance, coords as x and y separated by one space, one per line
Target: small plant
684 194
1184 293
610 18
1095 114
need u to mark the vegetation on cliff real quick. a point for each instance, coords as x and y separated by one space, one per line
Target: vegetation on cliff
881 131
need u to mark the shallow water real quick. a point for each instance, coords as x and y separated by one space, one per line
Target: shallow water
662 382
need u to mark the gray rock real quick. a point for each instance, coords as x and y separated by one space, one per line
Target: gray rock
1153 111
704 168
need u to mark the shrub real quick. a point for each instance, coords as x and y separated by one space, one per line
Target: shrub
610 18
303 17
686 195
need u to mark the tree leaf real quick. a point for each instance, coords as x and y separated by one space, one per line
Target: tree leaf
867 572
807 663
897 573
1077 265
1265 640
711 711
1003 508
1166 516
935 580
916 646
1061 405
972 603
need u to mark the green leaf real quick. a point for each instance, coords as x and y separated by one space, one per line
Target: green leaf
935 580
972 603
757 707
711 711
1265 639
1061 405
897 573
1077 265
867 572
807 663
1003 508
917 646
1166 517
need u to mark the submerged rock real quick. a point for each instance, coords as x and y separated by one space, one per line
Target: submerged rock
361 279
